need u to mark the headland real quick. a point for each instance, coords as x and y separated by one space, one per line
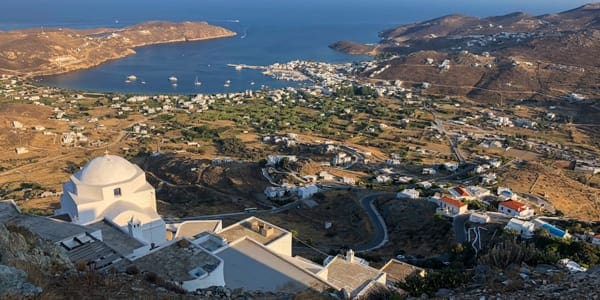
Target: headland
49 51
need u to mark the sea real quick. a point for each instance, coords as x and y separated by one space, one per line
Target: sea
268 31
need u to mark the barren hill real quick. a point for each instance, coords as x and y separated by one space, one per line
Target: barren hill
517 55
58 50
584 17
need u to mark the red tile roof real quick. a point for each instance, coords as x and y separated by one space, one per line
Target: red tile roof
514 205
453 202
462 191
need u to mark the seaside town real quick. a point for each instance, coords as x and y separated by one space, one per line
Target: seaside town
343 185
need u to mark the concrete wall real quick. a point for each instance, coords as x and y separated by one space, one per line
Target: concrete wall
67 206
214 278
155 232
283 245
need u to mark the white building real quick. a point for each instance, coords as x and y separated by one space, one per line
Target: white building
489 178
596 240
425 184
515 209
429 171
481 218
273 160
21 150
383 179
451 166
408 193
17 124
524 228
352 274
341 158
112 189
308 191
275 191
325 176
451 207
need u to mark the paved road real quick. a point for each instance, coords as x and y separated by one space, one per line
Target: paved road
453 142
380 232
458 222
378 239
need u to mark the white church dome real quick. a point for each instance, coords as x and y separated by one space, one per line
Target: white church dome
106 170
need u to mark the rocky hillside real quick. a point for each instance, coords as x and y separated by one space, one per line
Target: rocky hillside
27 263
584 17
352 48
544 282
58 50
518 56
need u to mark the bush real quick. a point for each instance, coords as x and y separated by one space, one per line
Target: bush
151 277
581 252
416 285
511 251
132 270
183 243
231 146
81 266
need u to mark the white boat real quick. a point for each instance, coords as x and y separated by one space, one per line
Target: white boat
252 83
196 82
173 79
228 81
131 78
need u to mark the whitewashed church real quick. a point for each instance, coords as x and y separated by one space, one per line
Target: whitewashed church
112 189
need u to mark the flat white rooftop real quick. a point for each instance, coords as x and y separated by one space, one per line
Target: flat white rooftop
264 270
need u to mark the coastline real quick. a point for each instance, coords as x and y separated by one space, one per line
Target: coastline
132 52
60 51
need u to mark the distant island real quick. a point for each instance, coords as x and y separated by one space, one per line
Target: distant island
48 51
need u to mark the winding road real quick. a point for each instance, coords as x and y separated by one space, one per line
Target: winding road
451 139
380 232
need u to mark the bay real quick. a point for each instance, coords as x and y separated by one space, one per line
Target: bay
269 31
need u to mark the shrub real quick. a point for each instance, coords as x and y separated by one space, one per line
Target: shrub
183 243
151 277
511 251
81 266
416 285
132 270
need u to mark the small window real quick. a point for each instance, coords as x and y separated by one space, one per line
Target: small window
117 192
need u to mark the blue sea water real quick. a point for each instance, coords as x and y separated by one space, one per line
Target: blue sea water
268 31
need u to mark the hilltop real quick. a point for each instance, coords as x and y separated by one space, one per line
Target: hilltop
584 17
46 51
517 55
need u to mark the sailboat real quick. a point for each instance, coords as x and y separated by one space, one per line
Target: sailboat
196 82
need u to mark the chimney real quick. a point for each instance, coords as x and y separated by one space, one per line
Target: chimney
135 229
255 226
350 256
266 230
